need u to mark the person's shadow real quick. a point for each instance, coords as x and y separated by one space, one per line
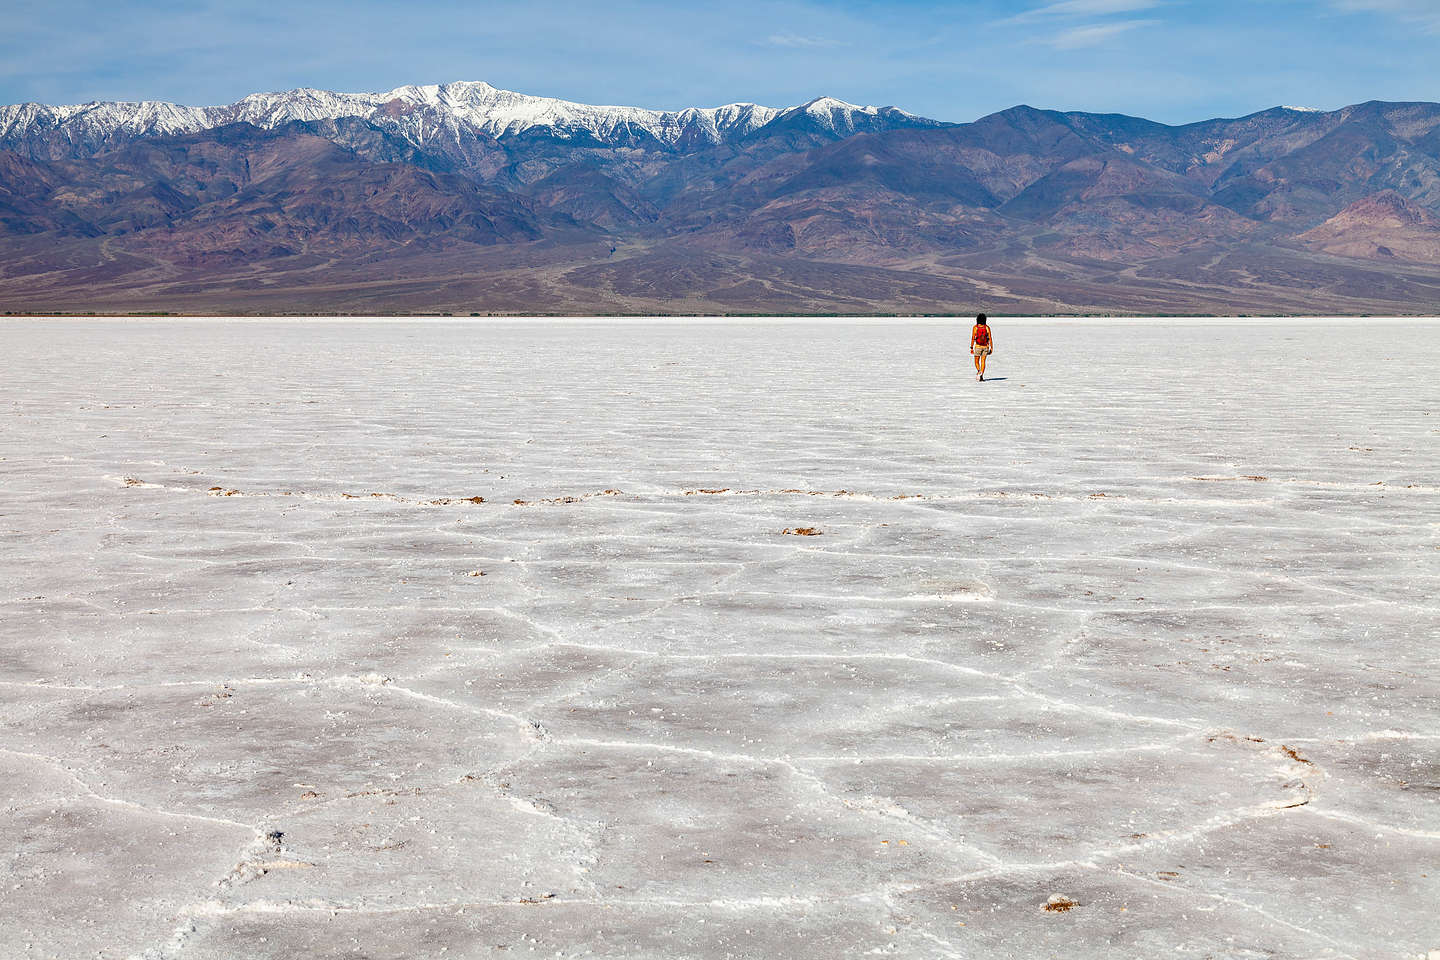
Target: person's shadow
995 379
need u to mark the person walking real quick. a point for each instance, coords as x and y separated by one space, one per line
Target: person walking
981 345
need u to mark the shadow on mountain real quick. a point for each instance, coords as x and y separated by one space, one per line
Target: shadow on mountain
823 209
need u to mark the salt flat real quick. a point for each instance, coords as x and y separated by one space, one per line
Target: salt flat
1147 625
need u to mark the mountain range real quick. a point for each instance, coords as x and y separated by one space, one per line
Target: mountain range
463 198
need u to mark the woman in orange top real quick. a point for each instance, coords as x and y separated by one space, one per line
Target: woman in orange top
981 344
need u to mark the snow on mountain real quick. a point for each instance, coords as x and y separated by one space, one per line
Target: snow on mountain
146 117
451 110
846 119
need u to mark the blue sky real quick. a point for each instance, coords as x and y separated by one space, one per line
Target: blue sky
1169 60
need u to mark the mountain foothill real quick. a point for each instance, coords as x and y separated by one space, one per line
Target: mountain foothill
462 198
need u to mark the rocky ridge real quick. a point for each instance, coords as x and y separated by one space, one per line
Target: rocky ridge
423 114
465 197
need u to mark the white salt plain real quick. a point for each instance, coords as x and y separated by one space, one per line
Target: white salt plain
1148 625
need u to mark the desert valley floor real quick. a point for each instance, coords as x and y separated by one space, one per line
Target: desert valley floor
709 640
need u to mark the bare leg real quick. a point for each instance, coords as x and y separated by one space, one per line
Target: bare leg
980 364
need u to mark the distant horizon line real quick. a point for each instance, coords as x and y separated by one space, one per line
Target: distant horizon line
721 318
664 110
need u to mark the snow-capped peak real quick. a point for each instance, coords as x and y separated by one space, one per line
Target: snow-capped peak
823 104
419 113
844 119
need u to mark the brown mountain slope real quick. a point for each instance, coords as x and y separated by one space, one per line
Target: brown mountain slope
1381 227
248 196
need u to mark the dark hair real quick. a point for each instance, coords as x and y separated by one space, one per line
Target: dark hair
980 318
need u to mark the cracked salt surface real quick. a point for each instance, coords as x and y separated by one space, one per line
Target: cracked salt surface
1131 653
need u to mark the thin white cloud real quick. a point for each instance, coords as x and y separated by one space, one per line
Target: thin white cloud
1081 8
1425 13
1092 35
796 41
